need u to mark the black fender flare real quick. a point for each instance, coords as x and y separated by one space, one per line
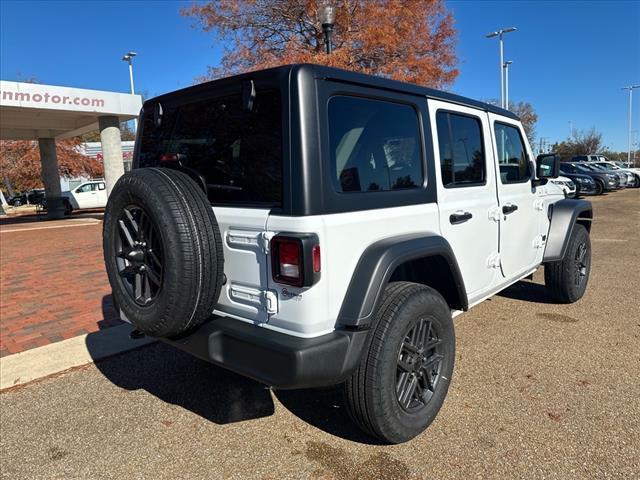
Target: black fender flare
377 264
563 216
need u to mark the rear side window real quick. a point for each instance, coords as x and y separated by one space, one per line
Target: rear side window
512 155
462 159
375 145
236 153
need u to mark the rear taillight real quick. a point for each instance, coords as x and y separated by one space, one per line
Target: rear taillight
295 259
172 157
315 252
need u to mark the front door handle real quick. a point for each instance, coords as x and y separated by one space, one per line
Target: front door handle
509 208
456 218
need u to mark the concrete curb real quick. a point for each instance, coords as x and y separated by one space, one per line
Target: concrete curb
57 357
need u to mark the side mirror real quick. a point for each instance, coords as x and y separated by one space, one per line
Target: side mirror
547 166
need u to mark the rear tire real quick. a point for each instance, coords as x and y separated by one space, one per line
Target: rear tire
163 251
566 280
68 208
404 375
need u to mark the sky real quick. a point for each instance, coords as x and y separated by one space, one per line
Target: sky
570 59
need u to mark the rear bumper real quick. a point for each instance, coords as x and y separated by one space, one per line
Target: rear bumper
274 358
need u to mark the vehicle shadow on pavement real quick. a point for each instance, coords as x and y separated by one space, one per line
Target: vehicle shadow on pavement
324 409
527 291
175 377
214 393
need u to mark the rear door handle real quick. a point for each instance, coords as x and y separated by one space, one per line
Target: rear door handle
456 218
509 208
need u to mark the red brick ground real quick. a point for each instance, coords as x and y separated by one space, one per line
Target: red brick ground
53 285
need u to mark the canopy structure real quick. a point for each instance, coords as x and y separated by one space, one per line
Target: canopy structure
31 111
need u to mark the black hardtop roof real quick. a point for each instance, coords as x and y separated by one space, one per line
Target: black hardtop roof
340 75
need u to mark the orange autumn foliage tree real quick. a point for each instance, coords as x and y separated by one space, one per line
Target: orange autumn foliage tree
20 162
408 40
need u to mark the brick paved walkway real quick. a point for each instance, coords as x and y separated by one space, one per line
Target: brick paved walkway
53 285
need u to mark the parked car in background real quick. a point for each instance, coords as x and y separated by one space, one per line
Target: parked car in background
633 178
585 185
33 197
585 158
620 180
623 180
91 194
627 165
605 182
566 184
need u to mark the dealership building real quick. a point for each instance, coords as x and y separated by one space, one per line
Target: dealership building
46 113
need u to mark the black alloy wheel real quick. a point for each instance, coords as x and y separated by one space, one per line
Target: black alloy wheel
582 264
419 365
139 255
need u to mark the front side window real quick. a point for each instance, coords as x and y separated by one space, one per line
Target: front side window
237 153
87 187
462 160
375 145
512 154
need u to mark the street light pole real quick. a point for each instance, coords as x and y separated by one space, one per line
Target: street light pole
506 83
327 17
630 88
500 33
128 57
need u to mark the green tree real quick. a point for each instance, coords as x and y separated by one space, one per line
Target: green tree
582 143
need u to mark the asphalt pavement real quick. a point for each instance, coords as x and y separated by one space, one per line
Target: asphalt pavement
540 391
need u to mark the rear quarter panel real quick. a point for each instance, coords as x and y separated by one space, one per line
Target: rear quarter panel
343 239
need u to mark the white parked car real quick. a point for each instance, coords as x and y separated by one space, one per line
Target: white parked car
632 174
91 194
566 184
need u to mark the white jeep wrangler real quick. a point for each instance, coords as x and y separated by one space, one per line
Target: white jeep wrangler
307 226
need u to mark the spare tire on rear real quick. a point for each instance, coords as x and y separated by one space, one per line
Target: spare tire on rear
163 251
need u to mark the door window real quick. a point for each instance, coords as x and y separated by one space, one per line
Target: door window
462 160
87 187
512 154
375 145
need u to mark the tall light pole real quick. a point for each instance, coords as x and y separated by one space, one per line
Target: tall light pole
128 57
506 83
327 17
571 129
630 88
500 33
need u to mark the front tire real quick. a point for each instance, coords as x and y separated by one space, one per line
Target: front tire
599 188
566 280
405 373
